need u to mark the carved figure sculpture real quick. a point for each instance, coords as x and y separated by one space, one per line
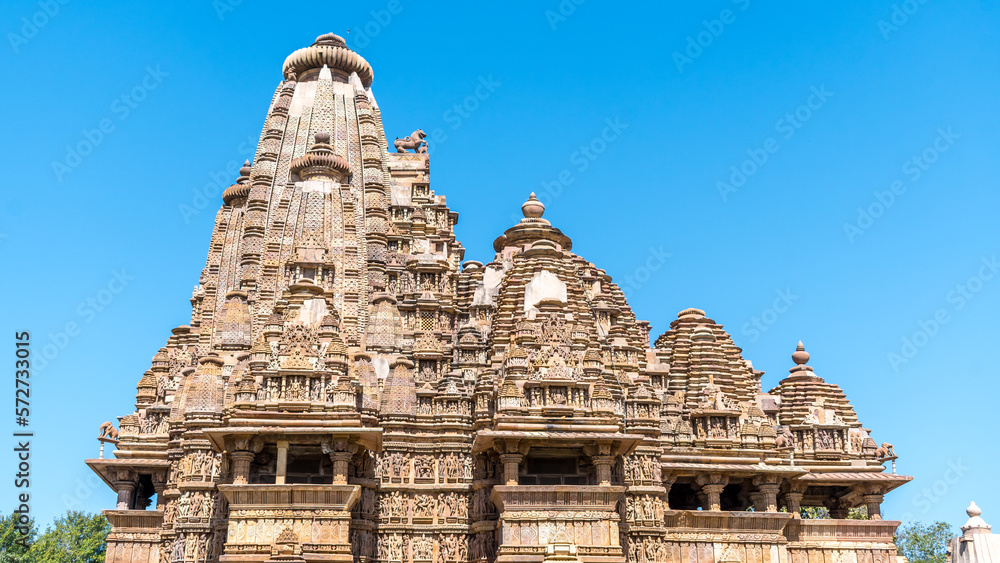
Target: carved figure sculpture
108 432
884 451
414 141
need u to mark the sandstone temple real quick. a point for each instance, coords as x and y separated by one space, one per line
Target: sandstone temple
350 389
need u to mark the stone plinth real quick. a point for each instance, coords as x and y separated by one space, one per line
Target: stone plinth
316 517
533 519
134 537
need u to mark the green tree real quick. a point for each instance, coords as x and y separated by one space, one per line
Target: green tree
14 542
821 512
924 543
75 538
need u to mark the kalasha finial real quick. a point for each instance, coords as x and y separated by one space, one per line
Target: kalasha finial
975 524
532 209
800 356
323 138
330 39
244 172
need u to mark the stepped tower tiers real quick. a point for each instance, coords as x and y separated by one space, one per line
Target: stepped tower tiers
349 390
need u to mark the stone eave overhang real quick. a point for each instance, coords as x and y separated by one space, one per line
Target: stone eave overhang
370 438
104 467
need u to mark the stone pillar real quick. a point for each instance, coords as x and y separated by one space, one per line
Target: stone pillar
668 482
767 486
712 486
603 465
241 466
282 463
511 464
126 490
713 496
341 461
793 503
126 483
874 504
159 486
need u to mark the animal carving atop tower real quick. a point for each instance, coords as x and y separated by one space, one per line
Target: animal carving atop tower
414 141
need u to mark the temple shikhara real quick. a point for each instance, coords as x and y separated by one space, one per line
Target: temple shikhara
350 389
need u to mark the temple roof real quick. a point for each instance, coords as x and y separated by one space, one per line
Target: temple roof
977 544
328 50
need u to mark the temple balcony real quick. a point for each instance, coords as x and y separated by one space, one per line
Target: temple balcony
684 523
837 530
134 537
315 519
534 518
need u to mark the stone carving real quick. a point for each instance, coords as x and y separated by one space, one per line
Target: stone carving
109 432
348 387
884 451
785 440
414 141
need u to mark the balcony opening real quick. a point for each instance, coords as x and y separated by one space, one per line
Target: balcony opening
556 470
264 466
683 497
305 464
733 497
145 493
308 465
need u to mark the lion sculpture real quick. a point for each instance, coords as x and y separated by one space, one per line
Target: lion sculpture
415 142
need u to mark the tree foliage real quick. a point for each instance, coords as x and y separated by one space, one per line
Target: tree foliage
924 543
75 538
821 512
14 542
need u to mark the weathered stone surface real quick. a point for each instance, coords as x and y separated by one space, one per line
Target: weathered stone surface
349 390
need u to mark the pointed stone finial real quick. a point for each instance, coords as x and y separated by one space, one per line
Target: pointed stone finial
533 209
244 172
975 524
800 357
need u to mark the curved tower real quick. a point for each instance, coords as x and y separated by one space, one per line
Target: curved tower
348 390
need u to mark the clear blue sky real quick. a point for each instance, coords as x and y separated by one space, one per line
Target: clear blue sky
865 99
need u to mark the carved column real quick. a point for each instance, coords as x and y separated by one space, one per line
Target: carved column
668 482
712 486
159 486
603 465
767 486
279 478
511 464
713 496
874 504
241 466
125 484
341 452
793 503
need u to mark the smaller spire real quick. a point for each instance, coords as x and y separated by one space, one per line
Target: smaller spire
241 189
320 161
